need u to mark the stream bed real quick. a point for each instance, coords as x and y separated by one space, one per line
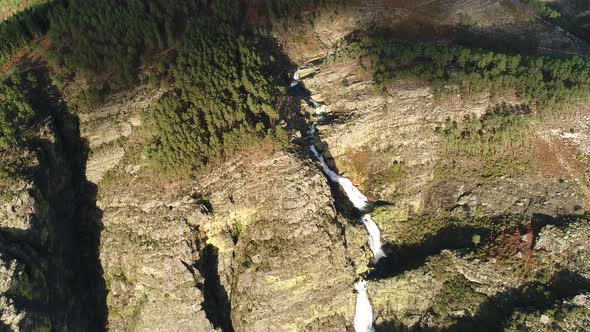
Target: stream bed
363 317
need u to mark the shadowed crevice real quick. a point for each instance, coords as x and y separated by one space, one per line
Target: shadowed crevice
216 304
494 313
62 281
406 257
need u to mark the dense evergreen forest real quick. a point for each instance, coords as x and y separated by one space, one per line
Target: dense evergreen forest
19 29
224 86
224 97
541 80
223 92
112 39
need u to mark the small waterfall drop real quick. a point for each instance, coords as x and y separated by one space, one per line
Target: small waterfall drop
363 313
374 238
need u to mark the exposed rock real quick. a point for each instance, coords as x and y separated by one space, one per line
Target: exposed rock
387 145
103 160
17 213
49 228
567 247
288 249
420 298
114 121
320 32
143 255
10 316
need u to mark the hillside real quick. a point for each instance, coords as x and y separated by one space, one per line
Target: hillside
333 165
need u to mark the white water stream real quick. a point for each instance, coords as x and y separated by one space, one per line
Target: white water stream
363 313
363 316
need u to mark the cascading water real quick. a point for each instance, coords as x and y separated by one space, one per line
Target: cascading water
363 313
374 238
363 316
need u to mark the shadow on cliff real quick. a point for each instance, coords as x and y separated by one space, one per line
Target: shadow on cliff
216 303
494 313
61 251
80 295
404 257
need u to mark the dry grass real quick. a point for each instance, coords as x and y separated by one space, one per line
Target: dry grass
11 7
559 159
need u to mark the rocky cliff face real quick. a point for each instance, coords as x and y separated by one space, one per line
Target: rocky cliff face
385 141
262 242
144 248
282 254
245 249
51 277
321 32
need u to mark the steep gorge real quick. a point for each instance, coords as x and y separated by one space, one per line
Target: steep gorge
51 231
264 241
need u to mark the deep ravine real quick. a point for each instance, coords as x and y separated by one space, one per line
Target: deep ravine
363 317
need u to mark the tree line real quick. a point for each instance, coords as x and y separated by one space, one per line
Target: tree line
224 87
224 98
544 81
499 131
21 28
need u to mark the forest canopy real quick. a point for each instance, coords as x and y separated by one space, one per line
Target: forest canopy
224 92
19 29
15 114
543 81
224 98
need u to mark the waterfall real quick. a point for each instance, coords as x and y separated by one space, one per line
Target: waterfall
354 195
363 313
374 237
295 80
363 316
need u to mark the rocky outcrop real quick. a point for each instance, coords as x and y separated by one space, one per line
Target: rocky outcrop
17 210
108 127
386 143
144 252
540 291
567 247
145 246
282 255
436 295
312 35
50 276
256 246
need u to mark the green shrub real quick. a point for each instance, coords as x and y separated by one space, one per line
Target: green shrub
500 130
15 115
476 239
542 9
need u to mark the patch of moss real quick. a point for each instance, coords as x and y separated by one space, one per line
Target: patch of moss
457 298
418 228
29 286
44 326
